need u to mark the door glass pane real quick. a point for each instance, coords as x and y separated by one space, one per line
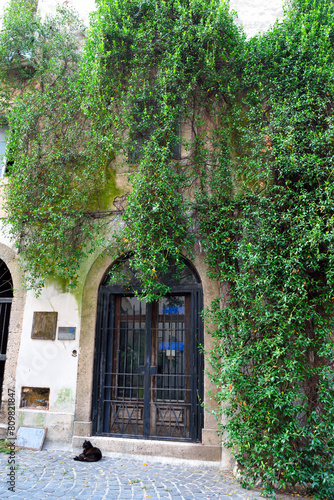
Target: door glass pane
131 348
126 405
171 340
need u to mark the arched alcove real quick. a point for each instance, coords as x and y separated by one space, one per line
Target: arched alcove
6 298
11 293
209 448
148 367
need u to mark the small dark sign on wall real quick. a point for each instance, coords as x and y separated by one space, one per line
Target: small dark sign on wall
66 333
44 325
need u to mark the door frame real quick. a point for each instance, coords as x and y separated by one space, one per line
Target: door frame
104 325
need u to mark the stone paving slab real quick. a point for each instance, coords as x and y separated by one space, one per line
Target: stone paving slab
54 474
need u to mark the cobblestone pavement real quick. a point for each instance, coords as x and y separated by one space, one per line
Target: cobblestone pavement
54 474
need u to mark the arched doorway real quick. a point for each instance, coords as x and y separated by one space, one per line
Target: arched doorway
6 298
148 368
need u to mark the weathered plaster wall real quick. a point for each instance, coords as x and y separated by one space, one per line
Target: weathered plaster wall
50 364
257 15
50 360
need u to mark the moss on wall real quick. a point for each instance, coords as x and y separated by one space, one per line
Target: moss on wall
106 197
64 399
39 420
110 190
21 418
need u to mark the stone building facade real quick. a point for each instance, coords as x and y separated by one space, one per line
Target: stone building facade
54 361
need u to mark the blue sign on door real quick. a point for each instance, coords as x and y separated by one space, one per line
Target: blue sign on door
174 346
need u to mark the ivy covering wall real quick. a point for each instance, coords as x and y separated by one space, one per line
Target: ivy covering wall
58 168
250 182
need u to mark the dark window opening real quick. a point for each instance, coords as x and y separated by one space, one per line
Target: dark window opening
145 116
35 397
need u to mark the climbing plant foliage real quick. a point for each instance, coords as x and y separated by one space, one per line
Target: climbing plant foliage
158 67
229 145
57 168
271 246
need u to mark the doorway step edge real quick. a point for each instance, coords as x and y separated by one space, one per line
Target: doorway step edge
173 450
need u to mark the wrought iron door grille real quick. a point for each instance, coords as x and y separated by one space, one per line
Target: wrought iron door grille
124 409
126 418
170 415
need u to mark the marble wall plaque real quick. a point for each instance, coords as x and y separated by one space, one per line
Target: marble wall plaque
44 325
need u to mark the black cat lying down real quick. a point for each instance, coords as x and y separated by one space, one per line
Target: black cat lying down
90 453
